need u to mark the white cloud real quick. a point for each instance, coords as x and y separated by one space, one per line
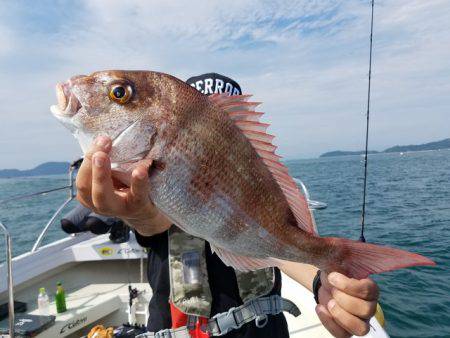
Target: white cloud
307 60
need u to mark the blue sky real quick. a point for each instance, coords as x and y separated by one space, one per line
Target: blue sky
306 60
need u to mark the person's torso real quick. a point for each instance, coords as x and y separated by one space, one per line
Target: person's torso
223 287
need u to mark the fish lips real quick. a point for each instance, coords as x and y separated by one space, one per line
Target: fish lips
68 104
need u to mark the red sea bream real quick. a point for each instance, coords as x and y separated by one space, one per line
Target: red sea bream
215 173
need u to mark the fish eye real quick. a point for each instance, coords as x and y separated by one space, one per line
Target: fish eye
120 93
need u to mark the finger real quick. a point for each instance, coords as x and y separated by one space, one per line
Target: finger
364 288
330 324
349 322
86 204
324 295
353 305
138 201
324 280
139 188
84 175
104 198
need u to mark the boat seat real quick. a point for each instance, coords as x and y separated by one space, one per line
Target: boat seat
84 306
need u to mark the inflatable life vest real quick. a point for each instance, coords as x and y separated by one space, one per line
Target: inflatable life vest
190 295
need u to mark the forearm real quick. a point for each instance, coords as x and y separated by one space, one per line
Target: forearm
301 273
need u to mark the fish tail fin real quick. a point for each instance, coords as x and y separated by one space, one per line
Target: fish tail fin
358 259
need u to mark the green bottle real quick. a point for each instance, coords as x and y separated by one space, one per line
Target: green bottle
60 299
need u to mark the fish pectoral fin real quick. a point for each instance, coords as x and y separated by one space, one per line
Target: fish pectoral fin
242 263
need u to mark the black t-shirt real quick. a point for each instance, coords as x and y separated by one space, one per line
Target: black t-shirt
223 285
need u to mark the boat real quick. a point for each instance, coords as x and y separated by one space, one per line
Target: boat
101 278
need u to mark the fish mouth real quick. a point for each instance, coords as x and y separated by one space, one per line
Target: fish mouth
67 103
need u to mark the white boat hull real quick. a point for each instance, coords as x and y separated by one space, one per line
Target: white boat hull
95 274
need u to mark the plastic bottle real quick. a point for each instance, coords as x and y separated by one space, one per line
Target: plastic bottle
43 303
60 299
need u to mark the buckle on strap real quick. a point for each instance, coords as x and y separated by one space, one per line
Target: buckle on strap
261 321
164 334
222 323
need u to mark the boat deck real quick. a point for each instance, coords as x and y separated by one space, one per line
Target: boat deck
95 274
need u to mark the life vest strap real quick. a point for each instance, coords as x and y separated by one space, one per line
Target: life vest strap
256 309
181 332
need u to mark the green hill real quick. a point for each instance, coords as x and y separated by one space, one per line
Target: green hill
437 145
444 144
48 168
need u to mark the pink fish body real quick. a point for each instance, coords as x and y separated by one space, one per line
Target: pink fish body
215 172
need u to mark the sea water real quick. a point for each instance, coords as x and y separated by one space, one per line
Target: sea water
408 207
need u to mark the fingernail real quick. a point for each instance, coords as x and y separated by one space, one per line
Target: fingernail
98 161
101 141
333 278
331 304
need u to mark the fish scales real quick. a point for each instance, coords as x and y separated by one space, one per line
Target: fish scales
215 175
215 193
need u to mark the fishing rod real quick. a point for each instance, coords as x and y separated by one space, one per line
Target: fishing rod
363 212
20 197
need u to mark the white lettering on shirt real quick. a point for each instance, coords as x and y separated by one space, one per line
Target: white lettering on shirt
228 88
208 86
219 86
198 85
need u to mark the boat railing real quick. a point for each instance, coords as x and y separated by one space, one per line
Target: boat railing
11 318
4 229
312 204
71 196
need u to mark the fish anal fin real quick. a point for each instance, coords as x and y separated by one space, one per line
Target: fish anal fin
243 113
242 263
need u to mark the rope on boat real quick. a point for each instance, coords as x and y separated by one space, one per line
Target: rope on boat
363 213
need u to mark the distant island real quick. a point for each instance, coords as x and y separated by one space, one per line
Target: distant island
443 144
48 168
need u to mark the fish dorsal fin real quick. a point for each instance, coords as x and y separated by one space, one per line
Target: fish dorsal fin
246 118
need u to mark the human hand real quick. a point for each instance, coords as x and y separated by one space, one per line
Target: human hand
346 304
97 191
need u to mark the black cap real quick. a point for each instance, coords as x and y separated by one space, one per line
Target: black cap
211 83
